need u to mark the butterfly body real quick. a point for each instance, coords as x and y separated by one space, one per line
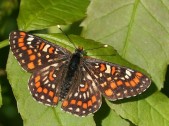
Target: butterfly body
76 80
72 68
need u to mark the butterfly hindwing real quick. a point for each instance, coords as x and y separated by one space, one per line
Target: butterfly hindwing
45 84
83 98
33 52
117 82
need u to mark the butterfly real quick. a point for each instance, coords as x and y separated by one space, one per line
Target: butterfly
77 80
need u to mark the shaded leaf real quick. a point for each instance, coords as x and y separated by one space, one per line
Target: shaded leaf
0 97
138 29
114 120
39 14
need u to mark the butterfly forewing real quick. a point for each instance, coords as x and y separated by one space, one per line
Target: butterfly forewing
117 82
83 98
33 52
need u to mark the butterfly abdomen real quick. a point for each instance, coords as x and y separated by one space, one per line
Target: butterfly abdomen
72 68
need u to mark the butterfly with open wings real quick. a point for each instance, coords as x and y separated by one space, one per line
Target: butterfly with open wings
78 81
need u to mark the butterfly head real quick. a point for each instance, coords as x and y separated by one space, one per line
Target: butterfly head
81 51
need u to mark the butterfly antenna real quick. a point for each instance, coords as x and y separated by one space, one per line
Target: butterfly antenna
103 46
66 36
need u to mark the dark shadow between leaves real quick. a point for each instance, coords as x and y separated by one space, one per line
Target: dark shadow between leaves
102 113
165 89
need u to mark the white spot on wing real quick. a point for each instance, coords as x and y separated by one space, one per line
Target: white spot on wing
53 86
30 39
48 100
89 77
108 69
84 95
76 94
42 97
29 43
128 72
77 110
45 49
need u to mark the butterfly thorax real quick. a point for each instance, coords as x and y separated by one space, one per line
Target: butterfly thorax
72 68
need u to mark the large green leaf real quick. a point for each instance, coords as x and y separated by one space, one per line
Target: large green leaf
151 111
137 29
39 14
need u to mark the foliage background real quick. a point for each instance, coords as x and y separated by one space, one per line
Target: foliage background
137 29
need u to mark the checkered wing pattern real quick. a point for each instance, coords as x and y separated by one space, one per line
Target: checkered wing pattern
45 84
33 52
84 97
116 82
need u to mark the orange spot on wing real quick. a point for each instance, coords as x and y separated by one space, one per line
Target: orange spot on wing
84 88
37 84
31 65
113 85
37 78
22 33
113 69
132 83
20 40
102 67
65 103
89 103
84 105
24 48
51 50
45 90
21 44
32 57
127 84
108 92
136 80
55 99
29 51
119 82
79 103
73 102
39 89
139 74
51 93
51 75
93 99
42 45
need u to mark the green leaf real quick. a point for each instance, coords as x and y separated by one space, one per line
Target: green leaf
4 44
114 120
0 97
137 29
151 111
39 14
34 113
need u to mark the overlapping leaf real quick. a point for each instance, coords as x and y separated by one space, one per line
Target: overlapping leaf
39 14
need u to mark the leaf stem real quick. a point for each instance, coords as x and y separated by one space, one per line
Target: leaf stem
4 44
